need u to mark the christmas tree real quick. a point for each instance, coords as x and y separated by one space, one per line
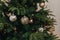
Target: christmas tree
26 20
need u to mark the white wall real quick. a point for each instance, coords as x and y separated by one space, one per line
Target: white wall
54 5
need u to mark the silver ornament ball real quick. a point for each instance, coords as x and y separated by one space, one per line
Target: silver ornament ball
13 18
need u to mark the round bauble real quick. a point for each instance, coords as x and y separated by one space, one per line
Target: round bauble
24 20
42 4
13 18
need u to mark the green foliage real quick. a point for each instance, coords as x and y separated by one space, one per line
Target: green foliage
37 36
16 30
1 26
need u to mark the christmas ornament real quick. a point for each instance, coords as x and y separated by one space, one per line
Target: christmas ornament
13 18
38 7
41 29
31 21
42 4
24 20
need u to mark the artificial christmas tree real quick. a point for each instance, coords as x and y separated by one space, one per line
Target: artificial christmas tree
25 20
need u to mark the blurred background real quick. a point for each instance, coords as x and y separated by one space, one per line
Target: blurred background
54 5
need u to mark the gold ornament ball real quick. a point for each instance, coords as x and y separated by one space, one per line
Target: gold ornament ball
24 20
42 4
